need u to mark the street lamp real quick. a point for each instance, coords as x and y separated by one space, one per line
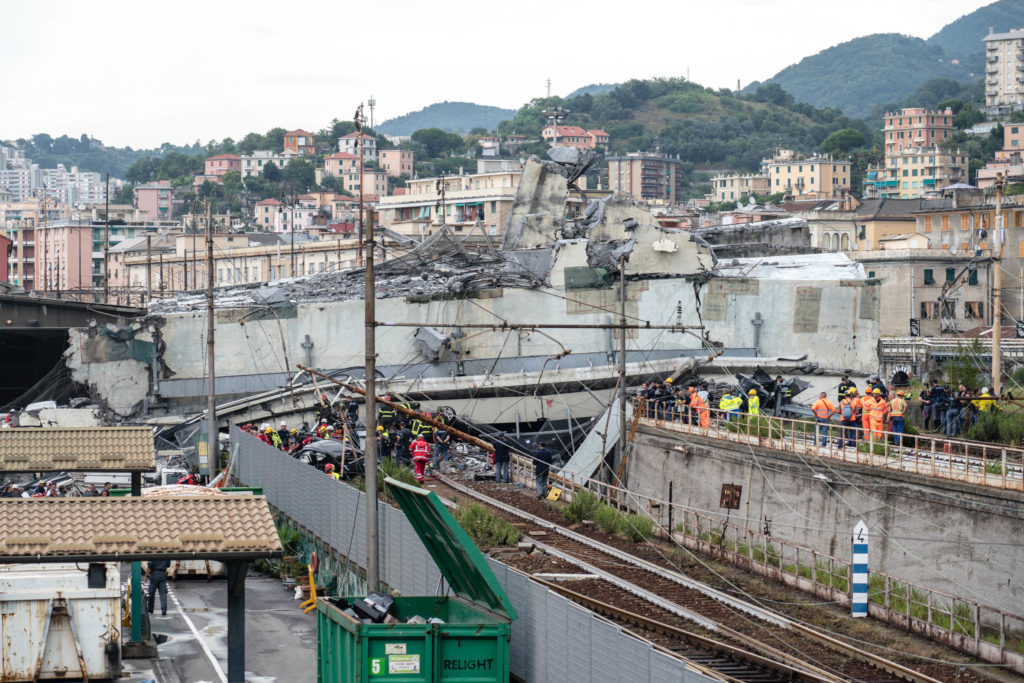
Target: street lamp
555 114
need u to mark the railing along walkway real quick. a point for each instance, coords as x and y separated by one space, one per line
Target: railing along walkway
962 460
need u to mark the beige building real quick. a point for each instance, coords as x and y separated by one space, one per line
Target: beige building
646 176
396 162
942 292
913 172
818 177
1004 71
253 164
174 263
877 219
732 187
1008 161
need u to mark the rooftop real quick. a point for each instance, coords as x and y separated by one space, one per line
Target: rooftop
125 529
32 449
299 131
223 156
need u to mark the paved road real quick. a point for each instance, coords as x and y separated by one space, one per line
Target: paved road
280 641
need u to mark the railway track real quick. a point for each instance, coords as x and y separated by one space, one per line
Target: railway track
738 640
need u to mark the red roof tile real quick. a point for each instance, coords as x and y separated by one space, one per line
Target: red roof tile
299 131
269 202
343 155
598 132
354 134
224 156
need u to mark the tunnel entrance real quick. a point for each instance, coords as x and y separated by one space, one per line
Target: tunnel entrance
26 357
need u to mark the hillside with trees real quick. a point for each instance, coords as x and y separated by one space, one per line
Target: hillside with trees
88 153
964 36
453 117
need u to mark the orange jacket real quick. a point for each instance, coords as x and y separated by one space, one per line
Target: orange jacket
897 407
823 408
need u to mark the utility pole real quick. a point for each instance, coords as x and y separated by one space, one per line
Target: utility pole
358 120
42 239
370 446
149 267
442 187
555 114
211 397
997 293
622 361
106 242
292 228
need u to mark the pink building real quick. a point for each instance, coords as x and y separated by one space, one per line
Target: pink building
397 162
341 165
6 249
266 213
155 200
299 142
63 257
223 163
917 127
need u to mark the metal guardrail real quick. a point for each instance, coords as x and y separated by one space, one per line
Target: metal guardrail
962 460
983 631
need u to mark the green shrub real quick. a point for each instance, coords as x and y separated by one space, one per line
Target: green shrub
998 426
637 528
607 518
389 468
583 506
485 528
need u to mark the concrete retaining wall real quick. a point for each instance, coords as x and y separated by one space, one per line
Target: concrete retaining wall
952 537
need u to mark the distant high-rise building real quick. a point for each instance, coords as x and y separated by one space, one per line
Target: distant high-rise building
644 175
1004 71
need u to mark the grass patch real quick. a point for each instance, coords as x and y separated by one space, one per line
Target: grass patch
637 528
485 528
607 519
584 505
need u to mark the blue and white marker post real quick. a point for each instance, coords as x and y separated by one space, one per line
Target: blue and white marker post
859 596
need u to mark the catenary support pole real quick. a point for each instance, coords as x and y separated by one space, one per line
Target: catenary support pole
622 362
370 446
137 598
106 242
997 292
236 620
211 396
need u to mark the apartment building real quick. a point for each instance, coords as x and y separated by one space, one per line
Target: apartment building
1008 161
574 136
1004 71
396 162
916 127
253 164
647 176
349 144
913 172
223 163
483 197
731 187
816 177
155 200
299 143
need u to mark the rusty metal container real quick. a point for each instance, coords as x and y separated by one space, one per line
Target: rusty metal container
60 621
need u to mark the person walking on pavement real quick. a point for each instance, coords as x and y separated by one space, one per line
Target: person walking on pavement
823 410
156 572
542 458
501 460
897 409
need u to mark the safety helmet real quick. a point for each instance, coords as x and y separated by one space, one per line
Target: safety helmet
752 392
328 467
268 430
668 381
851 392
380 428
877 391
899 393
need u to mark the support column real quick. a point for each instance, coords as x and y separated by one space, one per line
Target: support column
236 620
137 599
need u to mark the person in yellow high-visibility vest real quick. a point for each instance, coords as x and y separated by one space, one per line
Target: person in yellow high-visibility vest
897 409
753 403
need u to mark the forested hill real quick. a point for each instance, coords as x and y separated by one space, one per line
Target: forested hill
704 126
88 154
964 36
454 117
863 72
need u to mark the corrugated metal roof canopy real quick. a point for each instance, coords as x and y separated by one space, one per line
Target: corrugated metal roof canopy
117 449
127 529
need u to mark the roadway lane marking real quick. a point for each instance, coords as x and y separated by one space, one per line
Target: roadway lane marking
202 642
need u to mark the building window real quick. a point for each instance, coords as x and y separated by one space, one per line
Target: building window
950 274
929 277
974 310
972 279
948 309
928 310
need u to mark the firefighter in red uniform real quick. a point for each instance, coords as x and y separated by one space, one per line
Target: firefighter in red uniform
420 450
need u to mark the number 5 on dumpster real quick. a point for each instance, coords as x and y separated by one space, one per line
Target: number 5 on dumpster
376 666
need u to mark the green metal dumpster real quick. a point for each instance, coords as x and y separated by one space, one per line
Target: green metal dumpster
470 646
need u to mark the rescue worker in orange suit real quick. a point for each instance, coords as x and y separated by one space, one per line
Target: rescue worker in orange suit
420 450
897 409
698 405
329 471
858 411
866 404
879 412
823 410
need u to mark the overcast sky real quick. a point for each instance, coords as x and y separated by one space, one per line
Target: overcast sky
141 73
